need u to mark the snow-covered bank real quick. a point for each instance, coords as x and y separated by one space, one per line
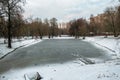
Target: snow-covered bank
4 50
74 70
111 43
62 37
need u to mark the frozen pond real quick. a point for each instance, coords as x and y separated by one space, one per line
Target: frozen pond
51 51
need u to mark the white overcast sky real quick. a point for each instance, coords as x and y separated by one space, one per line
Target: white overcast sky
65 10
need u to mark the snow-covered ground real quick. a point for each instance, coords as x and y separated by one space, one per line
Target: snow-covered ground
16 44
62 37
110 44
75 70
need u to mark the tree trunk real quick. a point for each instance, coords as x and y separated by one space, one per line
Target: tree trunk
114 30
9 27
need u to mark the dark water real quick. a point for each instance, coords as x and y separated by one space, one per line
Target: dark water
51 51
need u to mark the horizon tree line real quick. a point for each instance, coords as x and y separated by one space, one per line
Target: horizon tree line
13 24
107 23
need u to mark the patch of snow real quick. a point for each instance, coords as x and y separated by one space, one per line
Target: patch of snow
111 44
62 37
4 50
2 40
67 71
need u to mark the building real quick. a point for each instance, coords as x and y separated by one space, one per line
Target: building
62 25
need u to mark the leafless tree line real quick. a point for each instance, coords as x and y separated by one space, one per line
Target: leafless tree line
107 23
13 24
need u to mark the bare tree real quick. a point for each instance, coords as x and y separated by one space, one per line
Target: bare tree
118 20
47 26
78 28
11 8
54 27
111 20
